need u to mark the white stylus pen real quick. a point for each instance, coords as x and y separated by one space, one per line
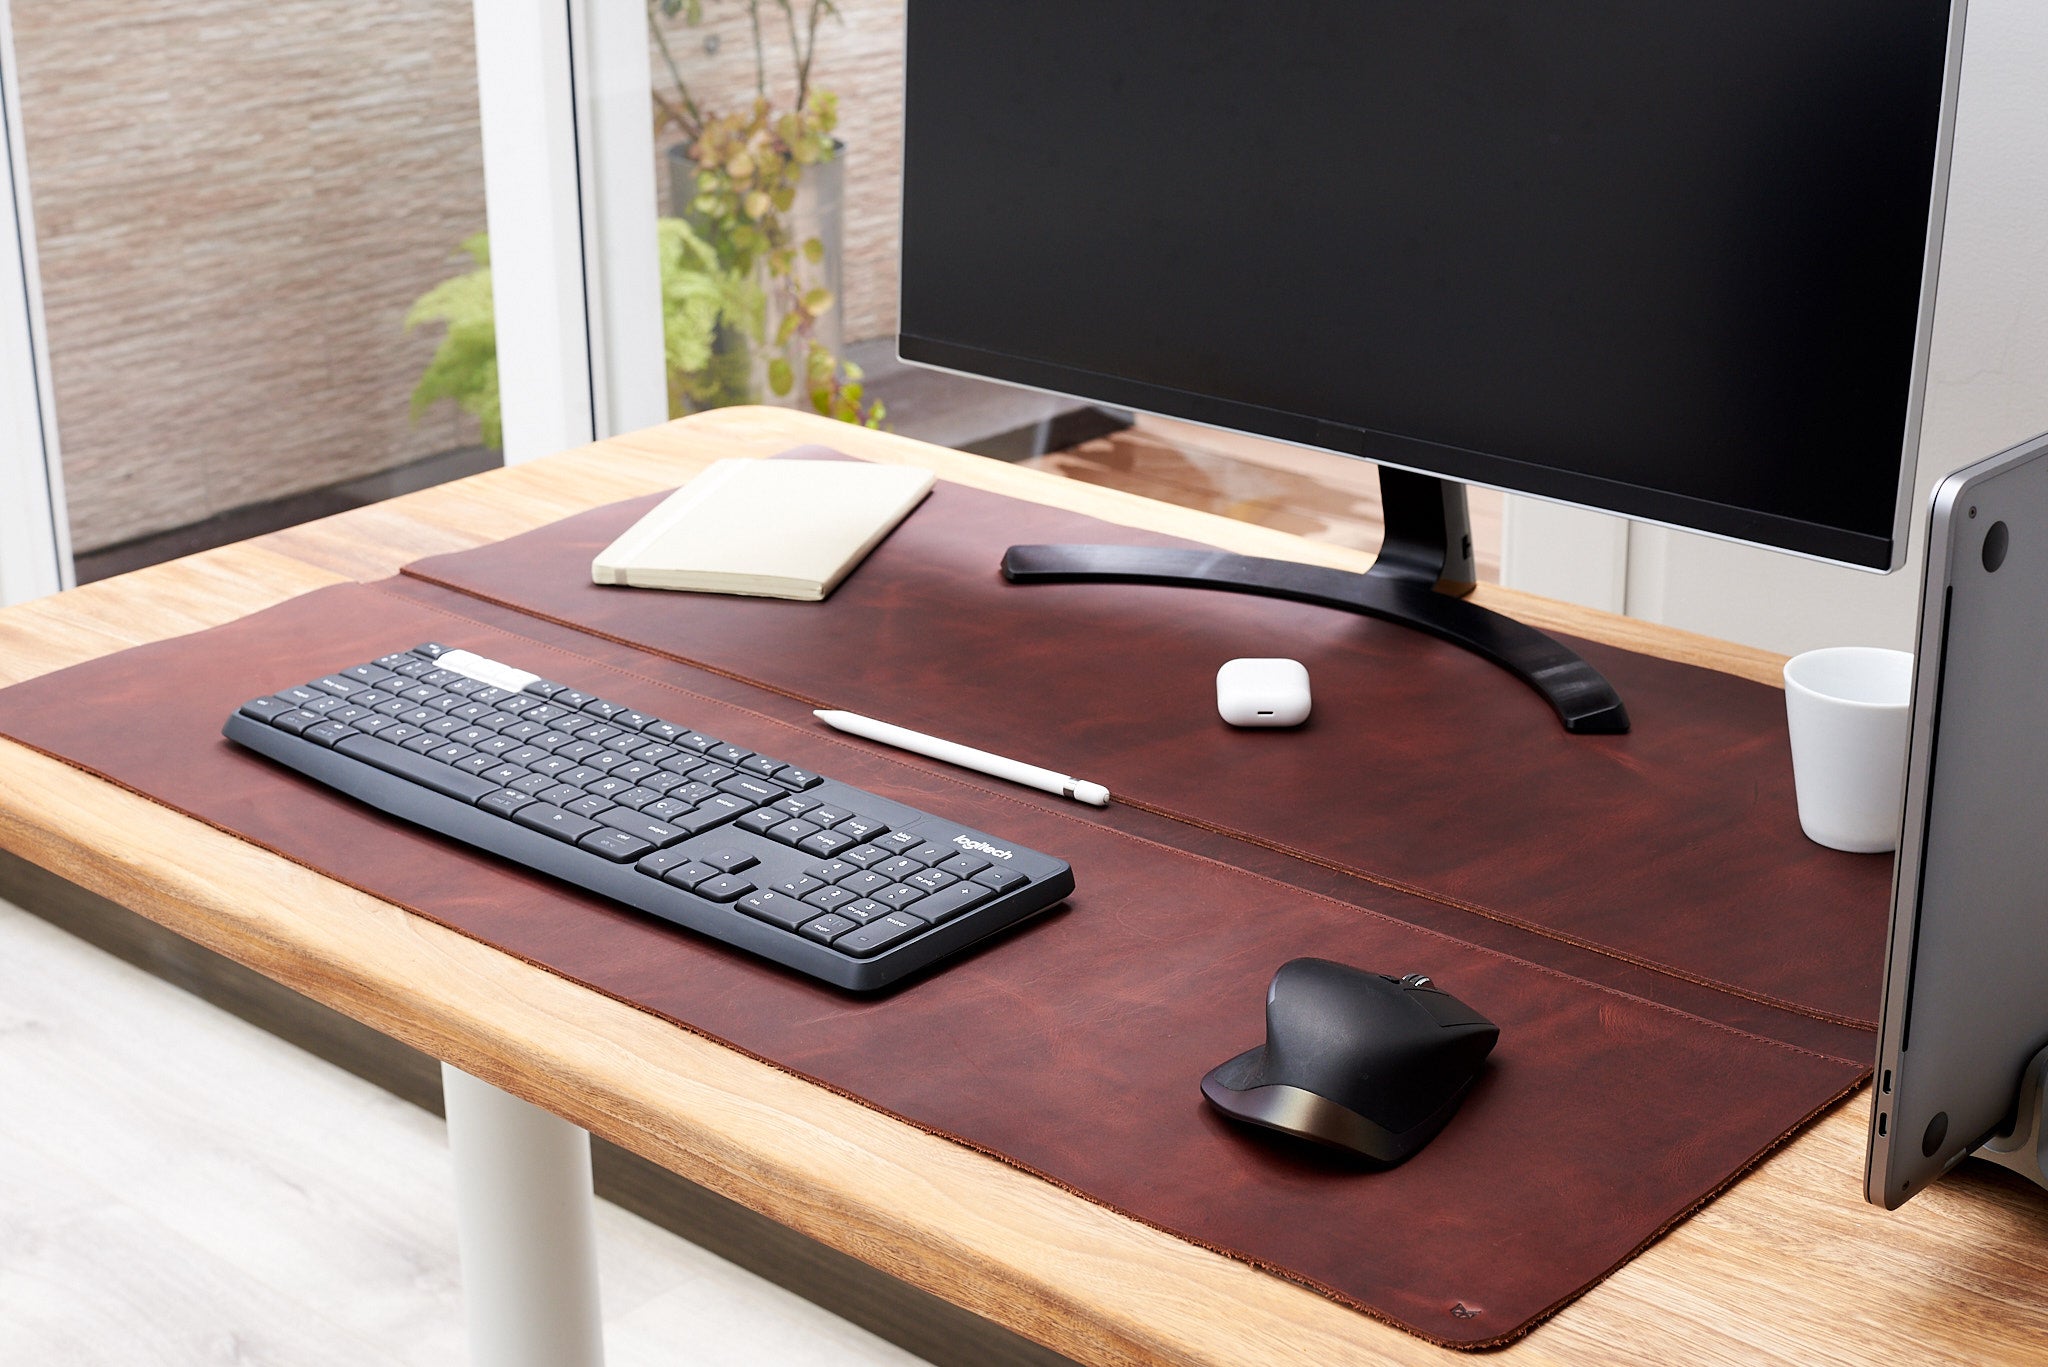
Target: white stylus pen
981 761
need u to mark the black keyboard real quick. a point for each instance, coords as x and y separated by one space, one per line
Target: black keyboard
819 876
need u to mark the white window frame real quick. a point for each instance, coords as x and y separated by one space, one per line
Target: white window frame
563 87
35 533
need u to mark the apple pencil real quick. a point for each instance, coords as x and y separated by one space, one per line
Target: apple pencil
981 761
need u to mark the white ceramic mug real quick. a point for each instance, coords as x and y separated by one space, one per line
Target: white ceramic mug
1847 708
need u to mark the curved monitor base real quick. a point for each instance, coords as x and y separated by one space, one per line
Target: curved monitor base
1583 700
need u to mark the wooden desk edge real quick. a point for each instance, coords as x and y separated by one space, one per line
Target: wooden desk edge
1053 1266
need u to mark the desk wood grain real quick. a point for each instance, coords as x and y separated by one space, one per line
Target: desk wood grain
1789 1265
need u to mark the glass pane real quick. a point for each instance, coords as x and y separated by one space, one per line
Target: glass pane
236 206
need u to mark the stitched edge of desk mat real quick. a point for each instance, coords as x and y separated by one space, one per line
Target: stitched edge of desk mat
1072 1047
1423 767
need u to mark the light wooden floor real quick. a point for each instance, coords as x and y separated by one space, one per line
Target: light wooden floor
179 1187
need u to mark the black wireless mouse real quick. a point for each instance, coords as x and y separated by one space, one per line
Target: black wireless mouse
1356 1060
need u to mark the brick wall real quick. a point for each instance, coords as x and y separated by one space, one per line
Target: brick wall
237 200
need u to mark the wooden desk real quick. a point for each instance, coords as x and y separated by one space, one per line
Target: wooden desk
1789 1265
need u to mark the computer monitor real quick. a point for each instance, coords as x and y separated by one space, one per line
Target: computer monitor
1672 261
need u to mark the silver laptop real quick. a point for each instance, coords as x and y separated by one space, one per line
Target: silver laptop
1966 980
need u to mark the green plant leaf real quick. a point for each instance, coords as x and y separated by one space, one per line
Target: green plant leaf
780 378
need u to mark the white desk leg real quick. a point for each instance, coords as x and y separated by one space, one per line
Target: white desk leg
525 1228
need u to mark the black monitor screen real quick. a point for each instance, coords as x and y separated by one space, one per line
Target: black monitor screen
1662 257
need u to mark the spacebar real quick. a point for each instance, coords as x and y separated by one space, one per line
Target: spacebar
428 773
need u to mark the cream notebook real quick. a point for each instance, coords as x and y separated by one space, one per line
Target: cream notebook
767 528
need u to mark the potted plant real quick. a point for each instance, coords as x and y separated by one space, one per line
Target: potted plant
749 255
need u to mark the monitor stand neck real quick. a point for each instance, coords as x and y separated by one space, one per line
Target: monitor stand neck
2025 1150
1423 572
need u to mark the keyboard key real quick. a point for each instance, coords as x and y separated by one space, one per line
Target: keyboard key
597 731
553 764
328 732
826 843
831 871
656 833
826 928
504 802
497 773
606 787
863 911
533 785
931 880
419 769
776 909
446 754
951 901
655 754
541 688
525 755
616 846
662 780
398 734
896 842
570 698
576 751
829 899
552 820
697 740
860 827
324 704
635 798
1001 880
866 883
635 772
295 721
368 674
598 707
338 686
630 719
412 669
760 764
445 726
422 743
761 820
661 861
899 895
964 865
263 709
728 754
711 773
876 936
669 809
710 816
930 854
791 831
589 806
348 714
824 814
580 775
561 793
726 887
372 723
798 778
754 790
897 868
430 651
687 876
794 806
797 885
865 856
661 730
729 860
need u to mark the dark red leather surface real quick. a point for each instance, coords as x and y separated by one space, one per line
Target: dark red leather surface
1675 849
1074 1046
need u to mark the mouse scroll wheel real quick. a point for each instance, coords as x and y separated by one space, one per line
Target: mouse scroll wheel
1417 980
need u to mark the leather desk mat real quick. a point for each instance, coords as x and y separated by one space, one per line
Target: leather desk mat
1071 1047
1674 851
